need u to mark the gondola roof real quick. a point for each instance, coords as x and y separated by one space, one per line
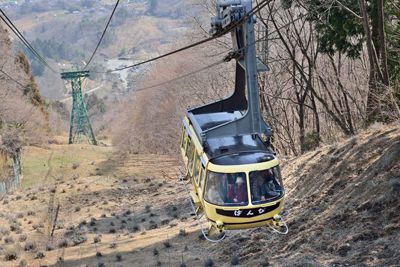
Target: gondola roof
232 150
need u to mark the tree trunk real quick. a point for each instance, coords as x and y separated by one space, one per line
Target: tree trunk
382 40
17 168
374 93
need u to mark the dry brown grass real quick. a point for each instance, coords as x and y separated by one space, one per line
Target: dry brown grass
341 206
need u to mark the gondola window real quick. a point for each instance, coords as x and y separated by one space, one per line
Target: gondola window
226 189
203 176
197 169
184 139
190 155
265 185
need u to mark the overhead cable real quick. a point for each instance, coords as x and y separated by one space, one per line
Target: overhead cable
180 77
12 79
22 38
103 34
256 9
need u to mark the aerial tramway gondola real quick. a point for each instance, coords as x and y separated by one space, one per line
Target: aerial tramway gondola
226 145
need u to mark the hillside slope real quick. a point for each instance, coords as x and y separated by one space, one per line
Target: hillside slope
342 210
342 206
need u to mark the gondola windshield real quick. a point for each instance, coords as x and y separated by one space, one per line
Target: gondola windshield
226 189
266 185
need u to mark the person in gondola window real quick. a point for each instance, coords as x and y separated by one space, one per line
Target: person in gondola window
258 186
240 194
270 188
214 196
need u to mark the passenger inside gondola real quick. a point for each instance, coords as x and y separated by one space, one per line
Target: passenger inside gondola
264 185
213 194
240 190
257 184
226 189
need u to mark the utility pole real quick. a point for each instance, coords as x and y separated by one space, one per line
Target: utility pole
80 127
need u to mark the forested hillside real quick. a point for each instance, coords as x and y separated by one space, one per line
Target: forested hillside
324 82
23 116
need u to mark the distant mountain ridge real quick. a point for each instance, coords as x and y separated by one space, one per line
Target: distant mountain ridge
66 32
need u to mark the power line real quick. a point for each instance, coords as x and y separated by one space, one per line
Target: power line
11 78
180 77
22 38
253 11
226 59
103 34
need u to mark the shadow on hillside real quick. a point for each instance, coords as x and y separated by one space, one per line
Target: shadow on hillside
135 221
171 252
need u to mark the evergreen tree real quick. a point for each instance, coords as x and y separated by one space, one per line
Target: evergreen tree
345 26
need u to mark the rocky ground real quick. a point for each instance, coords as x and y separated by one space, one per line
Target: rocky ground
342 208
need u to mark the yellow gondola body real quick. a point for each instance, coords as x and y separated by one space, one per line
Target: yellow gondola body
236 217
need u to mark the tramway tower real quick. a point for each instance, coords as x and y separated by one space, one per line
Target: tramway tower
80 128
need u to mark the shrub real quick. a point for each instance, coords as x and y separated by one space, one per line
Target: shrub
155 252
14 227
152 225
8 240
148 208
92 221
135 228
23 263
49 247
209 263
165 222
22 238
30 246
4 231
97 239
235 260
39 255
311 141
78 239
182 232
10 255
63 243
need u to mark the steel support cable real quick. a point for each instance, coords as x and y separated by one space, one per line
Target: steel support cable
12 79
226 59
22 38
181 77
229 29
103 34
262 38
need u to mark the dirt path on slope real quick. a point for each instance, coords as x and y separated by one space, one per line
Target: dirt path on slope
114 211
